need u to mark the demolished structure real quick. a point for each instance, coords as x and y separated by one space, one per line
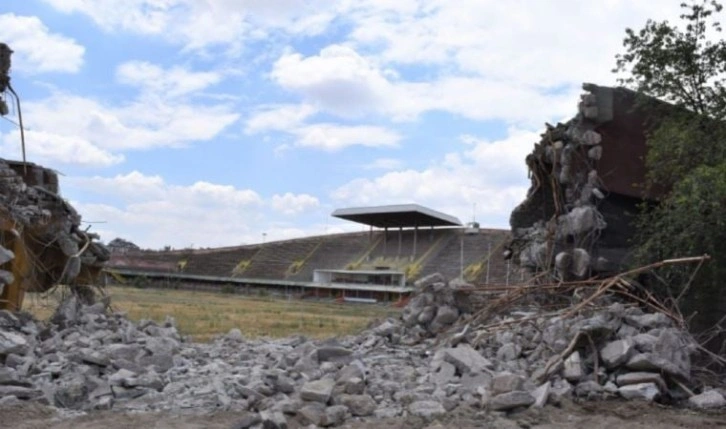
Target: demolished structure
588 178
41 240
446 353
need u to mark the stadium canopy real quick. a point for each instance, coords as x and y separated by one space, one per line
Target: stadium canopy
397 216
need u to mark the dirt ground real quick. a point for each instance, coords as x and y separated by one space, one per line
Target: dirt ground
594 415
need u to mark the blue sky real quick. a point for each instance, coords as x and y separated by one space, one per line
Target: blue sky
210 122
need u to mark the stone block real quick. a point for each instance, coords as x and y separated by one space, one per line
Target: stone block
466 359
359 405
426 409
511 400
333 354
640 377
541 394
573 370
10 342
273 420
445 316
616 353
641 391
506 382
334 415
317 391
707 400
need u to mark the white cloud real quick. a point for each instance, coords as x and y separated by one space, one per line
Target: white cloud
153 213
338 79
166 82
530 43
332 137
281 117
490 174
291 204
384 164
344 83
200 24
290 118
48 148
36 48
103 131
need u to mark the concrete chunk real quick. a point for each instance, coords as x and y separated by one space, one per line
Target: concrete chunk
426 409
642 391
11 342
506 382
19 392
508 401
247 421
641 377
541 394
616 353
466 359
708 400
317 391
333 416
359 405
445 374
312 413
273 420
445 316
333 354
652 362
573 367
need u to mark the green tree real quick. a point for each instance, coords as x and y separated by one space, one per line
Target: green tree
684 65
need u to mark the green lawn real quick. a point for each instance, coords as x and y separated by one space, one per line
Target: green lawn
203 315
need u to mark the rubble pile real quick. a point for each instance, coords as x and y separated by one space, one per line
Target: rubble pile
587 178
88 358
41 240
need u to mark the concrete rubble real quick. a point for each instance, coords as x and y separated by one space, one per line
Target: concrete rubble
89 359
37 224
587 178
41 239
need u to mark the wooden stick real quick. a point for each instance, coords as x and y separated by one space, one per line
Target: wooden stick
561 358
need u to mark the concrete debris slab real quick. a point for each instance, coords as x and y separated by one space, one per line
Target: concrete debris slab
573 370
641 377
541 395
506 382
510 400
467 360
90 358
359 405
707 400
643 391
426 409
616 353
317 391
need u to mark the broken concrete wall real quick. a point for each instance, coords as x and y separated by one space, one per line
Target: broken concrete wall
41 242
432 360
587 181
41 235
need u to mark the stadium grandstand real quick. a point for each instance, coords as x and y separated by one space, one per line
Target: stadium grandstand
403 243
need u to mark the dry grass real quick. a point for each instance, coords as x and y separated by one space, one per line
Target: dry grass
203 315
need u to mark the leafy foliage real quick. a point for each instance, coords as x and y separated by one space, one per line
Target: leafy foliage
682 66
685 66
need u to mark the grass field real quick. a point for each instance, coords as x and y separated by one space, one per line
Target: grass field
203 315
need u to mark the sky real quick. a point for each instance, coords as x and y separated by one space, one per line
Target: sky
206 123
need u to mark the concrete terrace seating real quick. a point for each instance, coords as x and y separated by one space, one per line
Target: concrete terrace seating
274 259
220 263
334 252
476 248
437 250
142 260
